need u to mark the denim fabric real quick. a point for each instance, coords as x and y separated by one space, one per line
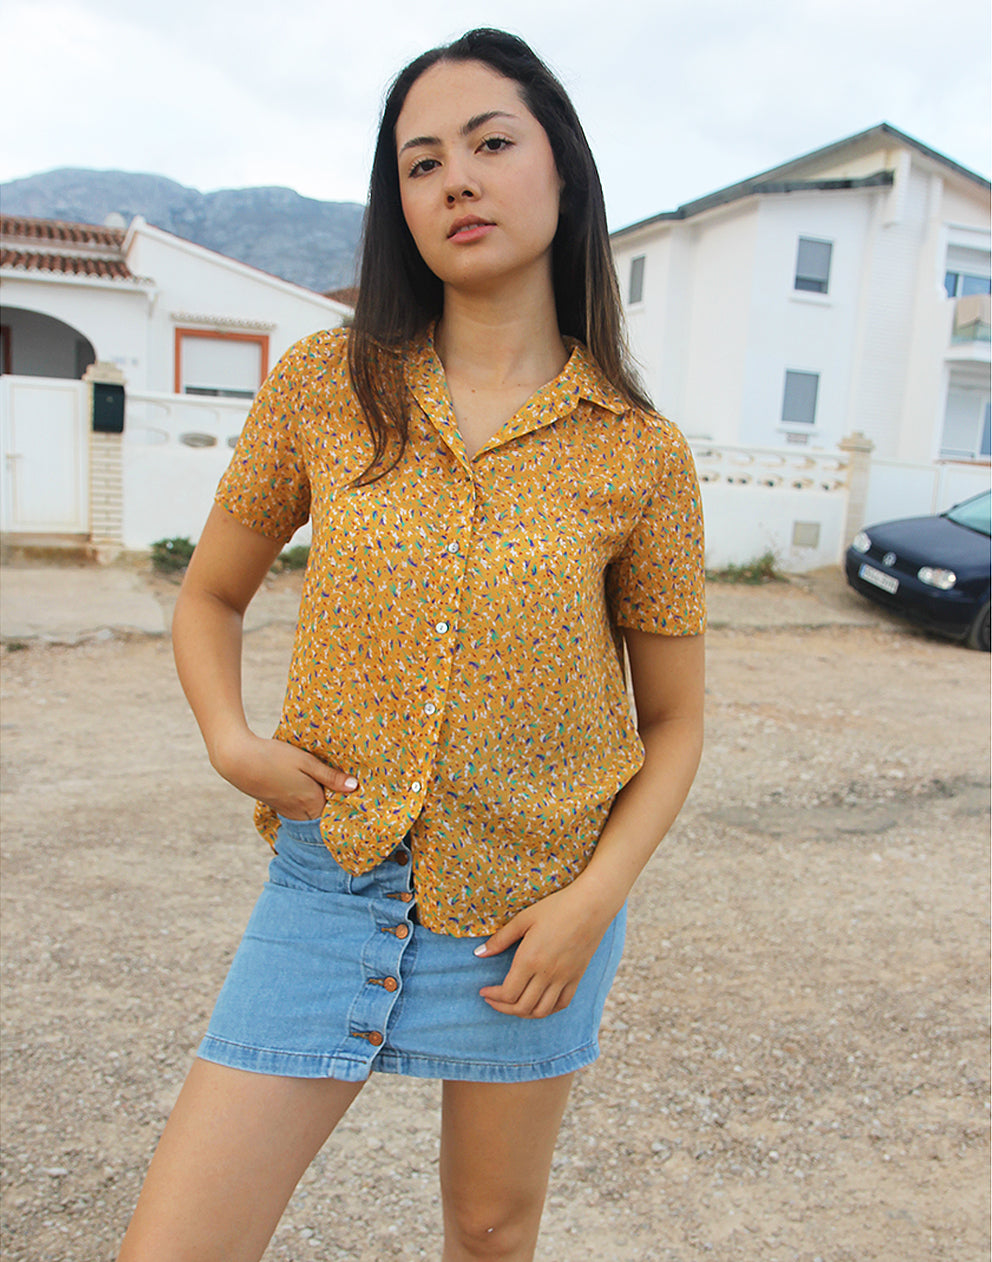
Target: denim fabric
334 978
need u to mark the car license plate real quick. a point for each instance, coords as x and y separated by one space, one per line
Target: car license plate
887 582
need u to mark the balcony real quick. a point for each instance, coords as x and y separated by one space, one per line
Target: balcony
972 319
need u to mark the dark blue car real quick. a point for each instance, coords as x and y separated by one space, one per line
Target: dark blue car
934 570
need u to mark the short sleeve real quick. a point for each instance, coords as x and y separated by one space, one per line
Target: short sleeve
657 583
266 486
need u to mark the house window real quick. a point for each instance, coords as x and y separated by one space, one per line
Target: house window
635 293
967 430
813 265
799 401
966 271
222 365
961 284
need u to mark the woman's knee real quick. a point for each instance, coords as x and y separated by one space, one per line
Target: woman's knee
487 1230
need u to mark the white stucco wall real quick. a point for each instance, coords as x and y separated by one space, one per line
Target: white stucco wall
111 315
721 321
191 281
790 329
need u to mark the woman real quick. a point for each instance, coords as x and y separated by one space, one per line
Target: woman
457 796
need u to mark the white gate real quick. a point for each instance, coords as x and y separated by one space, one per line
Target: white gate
44 434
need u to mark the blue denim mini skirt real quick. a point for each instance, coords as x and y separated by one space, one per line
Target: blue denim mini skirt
334 978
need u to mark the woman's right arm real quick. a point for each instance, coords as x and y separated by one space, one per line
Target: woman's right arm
226 570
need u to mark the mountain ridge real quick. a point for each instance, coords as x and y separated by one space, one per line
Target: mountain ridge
300 239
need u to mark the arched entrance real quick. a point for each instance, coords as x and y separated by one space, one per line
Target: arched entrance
36 345
44 426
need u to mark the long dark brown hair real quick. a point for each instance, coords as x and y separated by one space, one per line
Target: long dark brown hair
399 296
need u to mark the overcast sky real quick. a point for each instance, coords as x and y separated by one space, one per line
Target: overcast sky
678 97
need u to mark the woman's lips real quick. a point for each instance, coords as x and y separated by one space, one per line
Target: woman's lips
471 231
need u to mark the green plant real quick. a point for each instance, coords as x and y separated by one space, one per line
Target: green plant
763 569
293 558
171 555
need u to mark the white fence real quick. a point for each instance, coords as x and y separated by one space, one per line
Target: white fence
896 489
800 505
174 451
757 500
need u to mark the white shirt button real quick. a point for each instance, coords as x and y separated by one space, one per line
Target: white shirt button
441 627
453 546
416 786
430 707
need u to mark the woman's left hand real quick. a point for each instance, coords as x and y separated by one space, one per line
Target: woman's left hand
558 936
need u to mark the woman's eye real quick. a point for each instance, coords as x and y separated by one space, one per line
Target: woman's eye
493 144
423 166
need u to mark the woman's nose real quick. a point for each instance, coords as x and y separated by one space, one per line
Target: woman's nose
459 185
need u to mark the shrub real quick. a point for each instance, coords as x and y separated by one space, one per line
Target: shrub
292 558
172 555
763 569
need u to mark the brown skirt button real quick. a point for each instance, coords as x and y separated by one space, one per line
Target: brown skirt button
390 983
375 1038
401 931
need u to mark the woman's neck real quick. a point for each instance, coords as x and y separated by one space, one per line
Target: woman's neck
495 345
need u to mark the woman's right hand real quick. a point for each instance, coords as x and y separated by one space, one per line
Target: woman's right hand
292 781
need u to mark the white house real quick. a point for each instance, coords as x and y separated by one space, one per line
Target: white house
189 334
845 291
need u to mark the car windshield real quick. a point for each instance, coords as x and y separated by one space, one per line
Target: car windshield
976 514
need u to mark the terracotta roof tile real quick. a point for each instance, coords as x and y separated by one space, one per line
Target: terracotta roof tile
69 249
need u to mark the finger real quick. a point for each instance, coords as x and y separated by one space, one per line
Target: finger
511 932
565 997
332 779
547 1003
526 1003
508 992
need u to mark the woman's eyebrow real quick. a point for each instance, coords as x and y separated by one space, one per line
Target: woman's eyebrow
466 129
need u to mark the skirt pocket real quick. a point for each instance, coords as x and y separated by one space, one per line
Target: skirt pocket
302 861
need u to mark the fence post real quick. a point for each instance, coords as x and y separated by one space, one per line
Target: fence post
106 473
858 449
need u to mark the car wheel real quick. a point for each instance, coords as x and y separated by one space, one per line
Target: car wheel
978 636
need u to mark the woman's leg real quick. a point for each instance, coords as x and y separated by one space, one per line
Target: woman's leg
231 1154
497 1140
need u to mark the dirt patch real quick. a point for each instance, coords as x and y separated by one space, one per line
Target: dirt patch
794 1055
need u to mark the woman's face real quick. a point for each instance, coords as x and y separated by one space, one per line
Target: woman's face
478 182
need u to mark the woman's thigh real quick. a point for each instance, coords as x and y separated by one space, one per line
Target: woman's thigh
231 1154
497 1141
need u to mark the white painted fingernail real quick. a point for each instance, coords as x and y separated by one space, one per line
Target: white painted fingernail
351 783
480 950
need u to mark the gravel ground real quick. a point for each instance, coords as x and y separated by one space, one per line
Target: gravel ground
794 1055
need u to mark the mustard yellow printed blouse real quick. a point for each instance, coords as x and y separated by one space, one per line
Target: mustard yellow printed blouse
458 646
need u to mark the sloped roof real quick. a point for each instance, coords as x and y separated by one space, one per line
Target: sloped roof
59 248
777 179
348 296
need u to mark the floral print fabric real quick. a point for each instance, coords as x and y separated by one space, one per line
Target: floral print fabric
458 645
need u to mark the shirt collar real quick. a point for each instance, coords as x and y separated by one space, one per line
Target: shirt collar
581 378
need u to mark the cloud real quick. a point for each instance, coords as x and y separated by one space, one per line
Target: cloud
679 97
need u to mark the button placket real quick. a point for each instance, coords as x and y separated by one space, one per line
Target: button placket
383 953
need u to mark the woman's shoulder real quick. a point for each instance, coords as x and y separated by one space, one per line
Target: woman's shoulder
659 433
327 349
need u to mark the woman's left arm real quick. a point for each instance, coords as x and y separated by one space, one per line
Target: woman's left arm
559 935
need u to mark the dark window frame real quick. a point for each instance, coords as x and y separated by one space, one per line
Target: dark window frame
635 285
812 277
795 387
